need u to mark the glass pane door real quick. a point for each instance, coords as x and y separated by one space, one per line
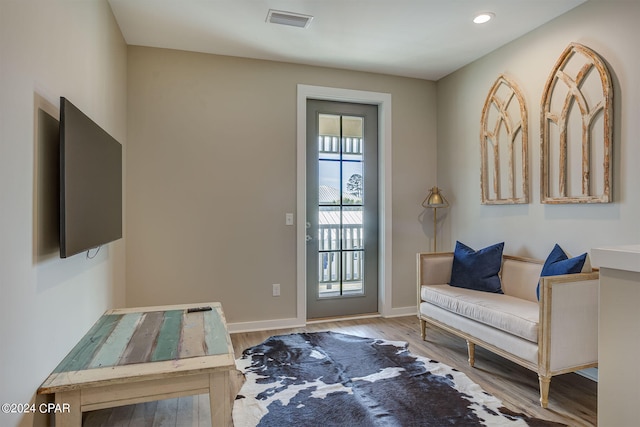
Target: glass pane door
340 201
342 177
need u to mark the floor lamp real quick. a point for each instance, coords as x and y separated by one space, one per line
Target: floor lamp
435 200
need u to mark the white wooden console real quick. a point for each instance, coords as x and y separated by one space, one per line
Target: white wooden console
619 339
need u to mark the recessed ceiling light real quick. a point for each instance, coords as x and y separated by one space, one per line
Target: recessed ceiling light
289 18
481 18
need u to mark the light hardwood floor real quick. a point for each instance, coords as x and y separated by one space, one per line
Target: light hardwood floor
572 399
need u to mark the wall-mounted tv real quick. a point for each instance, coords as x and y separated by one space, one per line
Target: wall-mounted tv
90 183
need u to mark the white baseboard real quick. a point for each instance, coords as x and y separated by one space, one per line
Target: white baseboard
401 311
266 325
591 373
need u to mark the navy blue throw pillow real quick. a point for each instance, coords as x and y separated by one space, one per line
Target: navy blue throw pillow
477 270
559 263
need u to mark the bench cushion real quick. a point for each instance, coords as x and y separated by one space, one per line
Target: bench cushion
558 262
477 270
513 315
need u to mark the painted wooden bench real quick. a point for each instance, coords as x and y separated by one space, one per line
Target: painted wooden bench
143 354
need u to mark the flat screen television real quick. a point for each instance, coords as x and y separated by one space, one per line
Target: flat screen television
90 183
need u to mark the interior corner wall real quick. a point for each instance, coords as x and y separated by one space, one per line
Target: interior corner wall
609 28
212 172
48 49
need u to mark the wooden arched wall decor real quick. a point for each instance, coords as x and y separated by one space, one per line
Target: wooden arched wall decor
504 134
576 128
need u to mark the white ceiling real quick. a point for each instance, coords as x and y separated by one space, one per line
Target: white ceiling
415 38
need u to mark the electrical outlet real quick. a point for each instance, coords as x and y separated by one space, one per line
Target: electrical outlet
288 219
276 289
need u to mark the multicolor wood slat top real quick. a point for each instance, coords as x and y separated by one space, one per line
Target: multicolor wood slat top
167 336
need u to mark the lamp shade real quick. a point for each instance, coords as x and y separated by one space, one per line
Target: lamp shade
435 199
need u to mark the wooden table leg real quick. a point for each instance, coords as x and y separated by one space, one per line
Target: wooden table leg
220 399
68 400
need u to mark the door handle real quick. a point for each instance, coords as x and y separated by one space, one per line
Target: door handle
308 238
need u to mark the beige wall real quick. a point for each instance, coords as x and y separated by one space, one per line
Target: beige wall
212 171
50 49
611 29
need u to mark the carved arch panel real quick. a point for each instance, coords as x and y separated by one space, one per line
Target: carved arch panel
504 134
576 129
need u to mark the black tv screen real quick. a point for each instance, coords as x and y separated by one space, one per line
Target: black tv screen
90 183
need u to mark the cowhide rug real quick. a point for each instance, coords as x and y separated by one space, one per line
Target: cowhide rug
332 379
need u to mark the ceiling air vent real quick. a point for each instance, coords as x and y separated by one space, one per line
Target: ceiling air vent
289 18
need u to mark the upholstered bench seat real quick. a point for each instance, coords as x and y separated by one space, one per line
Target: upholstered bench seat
510 314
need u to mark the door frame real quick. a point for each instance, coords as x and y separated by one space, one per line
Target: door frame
383 101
